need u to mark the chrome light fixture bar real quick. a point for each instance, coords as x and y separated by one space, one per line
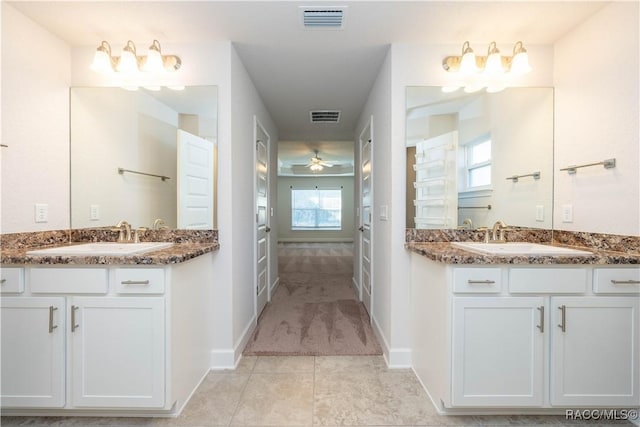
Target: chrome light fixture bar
129 62
490 71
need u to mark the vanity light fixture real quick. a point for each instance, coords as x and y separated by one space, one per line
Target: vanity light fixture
491 71
129 61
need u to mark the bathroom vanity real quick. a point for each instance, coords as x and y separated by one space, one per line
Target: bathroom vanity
533 333
105 335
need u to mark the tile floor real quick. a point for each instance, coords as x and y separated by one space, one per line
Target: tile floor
306 391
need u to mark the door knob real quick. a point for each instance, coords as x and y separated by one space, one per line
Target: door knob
267 229
361 228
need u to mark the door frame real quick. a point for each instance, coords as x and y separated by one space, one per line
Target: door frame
368 127
258 125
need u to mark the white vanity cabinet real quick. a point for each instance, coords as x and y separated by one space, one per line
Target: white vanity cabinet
105 338
117 352
594 351
525 336
33 349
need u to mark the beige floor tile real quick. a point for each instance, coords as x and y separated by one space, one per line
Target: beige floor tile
373 399
246 365
214 402
284 364
326 365
276 399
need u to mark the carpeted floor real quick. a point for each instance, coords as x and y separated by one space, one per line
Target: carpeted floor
314 311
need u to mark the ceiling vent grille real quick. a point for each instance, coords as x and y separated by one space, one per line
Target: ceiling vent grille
325 116
325 18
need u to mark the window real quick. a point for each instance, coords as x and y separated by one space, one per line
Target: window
478 163
316 209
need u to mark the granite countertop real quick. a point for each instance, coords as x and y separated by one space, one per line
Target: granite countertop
446 253
179 252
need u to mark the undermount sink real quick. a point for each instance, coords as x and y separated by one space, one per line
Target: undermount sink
518 248
103 248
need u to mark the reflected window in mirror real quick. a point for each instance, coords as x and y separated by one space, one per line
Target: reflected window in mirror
478 164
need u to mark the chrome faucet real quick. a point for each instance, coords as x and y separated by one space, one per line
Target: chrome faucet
125 231
497 232
467 223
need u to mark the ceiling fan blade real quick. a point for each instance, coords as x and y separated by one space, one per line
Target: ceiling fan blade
325 164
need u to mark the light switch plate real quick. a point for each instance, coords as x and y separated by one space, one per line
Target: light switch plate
41 212
539 213
384 212
95 213
567 213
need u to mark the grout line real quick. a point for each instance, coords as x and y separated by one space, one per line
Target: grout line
235 410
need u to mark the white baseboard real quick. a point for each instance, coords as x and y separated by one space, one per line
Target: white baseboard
396 358
274 286
315 240
356 288
222 359
229 358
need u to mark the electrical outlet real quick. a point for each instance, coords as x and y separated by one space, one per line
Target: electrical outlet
41 212
95 213
539 213
567 213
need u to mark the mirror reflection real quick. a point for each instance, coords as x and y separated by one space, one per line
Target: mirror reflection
476 158
143 156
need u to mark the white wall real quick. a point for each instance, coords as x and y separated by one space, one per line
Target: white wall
35 124
285 234
239 180
597 110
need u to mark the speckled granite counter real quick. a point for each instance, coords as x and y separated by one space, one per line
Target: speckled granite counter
179 252
188 244
446 253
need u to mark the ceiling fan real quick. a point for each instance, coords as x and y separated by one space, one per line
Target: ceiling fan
316 163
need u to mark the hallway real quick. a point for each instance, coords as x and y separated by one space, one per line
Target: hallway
314 311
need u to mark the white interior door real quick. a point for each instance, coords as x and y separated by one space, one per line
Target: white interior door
195 182
366 138
262 216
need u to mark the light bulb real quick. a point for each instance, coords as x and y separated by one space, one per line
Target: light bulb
468 61
128 61
154 63
520 60
102 61
493 65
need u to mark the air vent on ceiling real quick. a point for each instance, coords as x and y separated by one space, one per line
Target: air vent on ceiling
323 18
325 116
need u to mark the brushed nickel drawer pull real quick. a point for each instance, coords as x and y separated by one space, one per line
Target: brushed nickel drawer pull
74 326
625 282
481 282
51 325
135 282
563 320
541 325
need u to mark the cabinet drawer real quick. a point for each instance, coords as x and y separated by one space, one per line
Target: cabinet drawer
477 280
68 280
616 280
548 280
12 280
139 280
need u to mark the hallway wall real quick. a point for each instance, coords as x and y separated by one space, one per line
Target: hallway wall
285 234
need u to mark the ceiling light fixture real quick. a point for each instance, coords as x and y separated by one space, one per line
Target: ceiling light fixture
490 72
129 61
316 167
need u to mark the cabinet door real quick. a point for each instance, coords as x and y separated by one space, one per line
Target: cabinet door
33 356
118 352
594 361
498 346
